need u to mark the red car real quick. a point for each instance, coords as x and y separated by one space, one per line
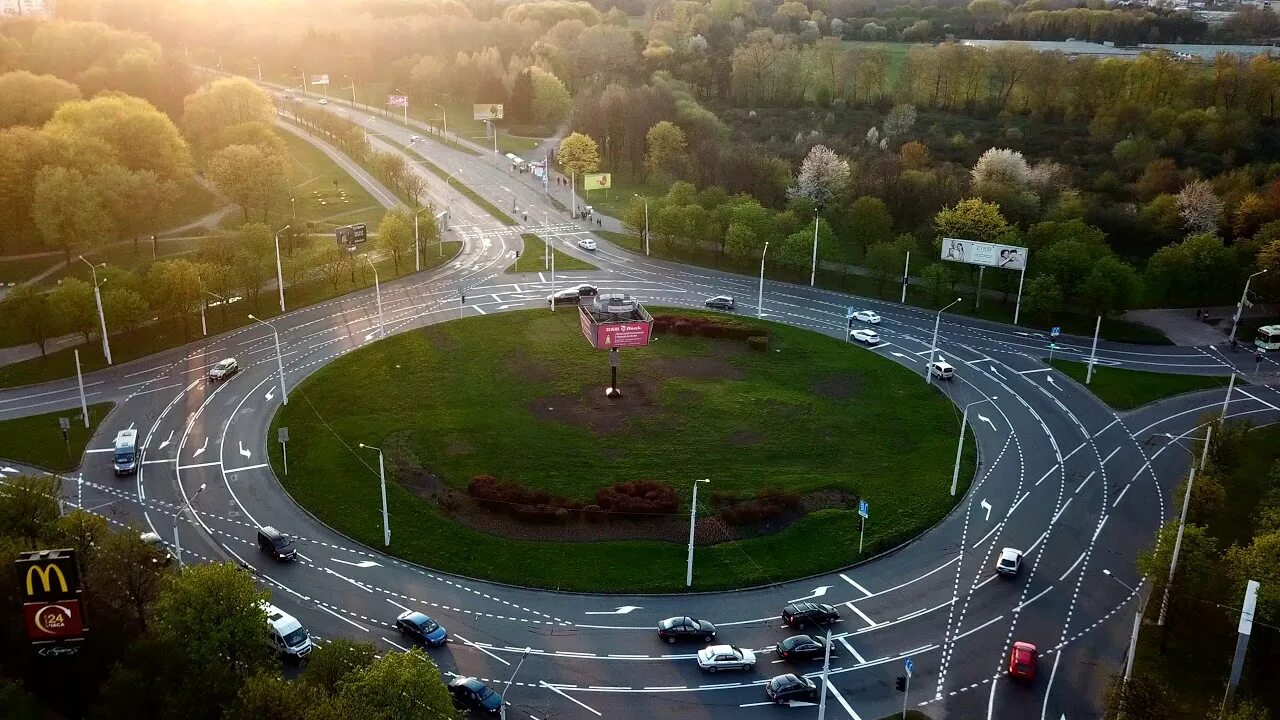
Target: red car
1022 661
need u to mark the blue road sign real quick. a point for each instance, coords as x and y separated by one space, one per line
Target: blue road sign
910 666
864 509
1055 332
851 311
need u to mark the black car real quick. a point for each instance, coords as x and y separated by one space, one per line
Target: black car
800 614
720 302
785 688
686 628
586 290
472 693
422 628
569 296
274 543
803 647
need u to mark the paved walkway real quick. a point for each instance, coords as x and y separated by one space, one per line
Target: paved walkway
1182 327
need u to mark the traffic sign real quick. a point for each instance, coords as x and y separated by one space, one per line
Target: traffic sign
910 666
850 312
1055 332
864 509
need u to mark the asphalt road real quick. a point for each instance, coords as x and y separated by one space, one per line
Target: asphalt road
1075 485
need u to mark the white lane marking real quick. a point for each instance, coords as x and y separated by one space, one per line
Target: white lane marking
1246 393
1108 457
1037 597
1037 370
361 564
1060 511
987 506
1044 709
623 610
100 450
200 465
861 614
971 631
850 580
1039 540
204 446
1087 479
845 703
817 593
1120 496
562 694
1047 474
990 577
1100 524
246 453
1015 505
483 650
395 644
852 652
1073 566
158 389
247 467
166 442
393 602
156 462
47 392
989 534
357 583
345 620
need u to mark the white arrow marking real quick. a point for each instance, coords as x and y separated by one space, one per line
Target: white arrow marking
361 564
166 442
986 506
997 372
897 354
369 337
271 394
987 420
8 470
817 593
616 611
202 447
244 452
1052 382
504 307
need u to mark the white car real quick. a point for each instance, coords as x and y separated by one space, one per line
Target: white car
223 370
862 335
1010 562
942 370
867 316
323 101
725 657
414 138
587 244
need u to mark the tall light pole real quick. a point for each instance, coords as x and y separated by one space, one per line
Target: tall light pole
102 318
382 478
760 296
964 420
444 116
1182 523
826 670
646 221
1240 305
279 268
1137 626
204 303
933 347
353 91
284 394
177 540
259 64
377 289
502 709
813 270
693 524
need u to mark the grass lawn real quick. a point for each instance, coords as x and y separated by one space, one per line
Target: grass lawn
193 202
37 439
615 200
535 250
475 396
1127 389
323 193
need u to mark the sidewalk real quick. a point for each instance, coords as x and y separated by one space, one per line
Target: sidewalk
1182 327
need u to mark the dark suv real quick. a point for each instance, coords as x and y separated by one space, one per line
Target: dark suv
798 615
274 543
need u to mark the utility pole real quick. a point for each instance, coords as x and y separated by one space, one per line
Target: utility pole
693 524
1093 354
826 671
1242 642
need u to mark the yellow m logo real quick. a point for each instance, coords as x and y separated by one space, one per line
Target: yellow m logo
46 578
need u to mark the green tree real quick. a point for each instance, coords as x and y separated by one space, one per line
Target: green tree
331 664
397 685
1269 260
395 236
83 532
551 99
31 313
27 99
1257 561
68 211
125 309
1198 576
865 222
29 507
741 244
251 176
1144 697
270 697
222 104
429 230
667 154
1111 286
175 289
142 137
578 154
937 280
1042 298
126 578
885 260
73 304
970 219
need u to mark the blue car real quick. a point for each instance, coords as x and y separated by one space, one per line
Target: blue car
421 628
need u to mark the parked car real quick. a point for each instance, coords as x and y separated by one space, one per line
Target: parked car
803 647
421 627
1010 562
473 694
725 657
785 688
720 302
686 628
866 337
1022 661
276 544
800 614
867 316
587 244
941 370
223 370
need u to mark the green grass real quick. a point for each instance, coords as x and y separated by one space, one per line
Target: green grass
323 193
454 400
615 200
192 203
37 439
1127 389
535 250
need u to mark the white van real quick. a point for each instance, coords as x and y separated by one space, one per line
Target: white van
941 370
286 634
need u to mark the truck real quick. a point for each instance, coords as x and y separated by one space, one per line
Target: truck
125 457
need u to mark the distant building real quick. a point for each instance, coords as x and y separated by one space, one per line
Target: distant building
42 8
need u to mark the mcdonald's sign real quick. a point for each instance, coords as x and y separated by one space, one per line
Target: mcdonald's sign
49 575
51 606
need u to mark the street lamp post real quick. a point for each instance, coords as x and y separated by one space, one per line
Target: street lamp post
1137 626
964 420
102 318
377 289
1182 523
259 64
444 116
382 478
177 540
353 91
1240 305
646 221
760 296
813 270
933 347
279 268
826 671
502 709
693 524
204 304
284 394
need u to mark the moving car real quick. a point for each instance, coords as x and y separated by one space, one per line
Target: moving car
1010 562
685 628
1022 661
587 244
472 693
422 628
867 316
803 647
572 294
799 614
124 456
720 302
941 370
274 543
414 139
323 101
868 337
785 688
725 657
286 634
163 556
223 370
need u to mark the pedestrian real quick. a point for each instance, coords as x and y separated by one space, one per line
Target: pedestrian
525 216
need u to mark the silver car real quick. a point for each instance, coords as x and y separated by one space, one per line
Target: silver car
223 370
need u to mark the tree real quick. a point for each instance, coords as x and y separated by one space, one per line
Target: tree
823 174
741 243
142 137
224 103
578 154
551 99
334 262
899 121
1199 208
32 314
29 507
1257 561
1249 215
1143 697
668 153
1001 167
1042 298
175 288
1111 286
1269 260
885 260
68 211
395 236
971 219
27 99
397 685
250 176
270 697
330 665
1198 576
126 577
914 155
937 280
865 222
125 309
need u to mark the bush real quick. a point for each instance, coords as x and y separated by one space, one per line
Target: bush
758 343
768 503
643 497
520 502
684 327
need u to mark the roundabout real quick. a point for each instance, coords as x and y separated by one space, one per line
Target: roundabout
504 462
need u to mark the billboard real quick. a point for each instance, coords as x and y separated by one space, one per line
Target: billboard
352 235
486 111
597 181
51 610
320 79
1008 257
398 101
633 333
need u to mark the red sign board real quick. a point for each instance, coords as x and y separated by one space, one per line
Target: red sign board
55 620
623 334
